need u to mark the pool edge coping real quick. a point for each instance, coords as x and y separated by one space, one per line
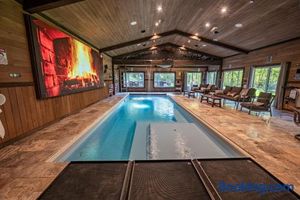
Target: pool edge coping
54 158
219 134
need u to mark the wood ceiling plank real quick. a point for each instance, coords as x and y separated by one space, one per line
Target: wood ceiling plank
106 23
35 6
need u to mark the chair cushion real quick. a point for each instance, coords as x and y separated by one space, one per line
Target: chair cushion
209 87
231 94
219 92
227 89
236 90
244 92
264 98
258 104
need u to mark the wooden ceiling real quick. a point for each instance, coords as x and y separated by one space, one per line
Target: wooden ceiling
105 23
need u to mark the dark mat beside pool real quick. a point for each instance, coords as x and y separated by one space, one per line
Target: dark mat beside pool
242 173
87 181
177 179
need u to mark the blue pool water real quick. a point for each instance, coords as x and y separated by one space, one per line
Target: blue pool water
112 138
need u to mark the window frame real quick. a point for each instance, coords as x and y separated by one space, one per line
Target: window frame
206 79
158 72
269 66
233 69
125 86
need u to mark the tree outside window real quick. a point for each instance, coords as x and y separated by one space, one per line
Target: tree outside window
134 79
164 80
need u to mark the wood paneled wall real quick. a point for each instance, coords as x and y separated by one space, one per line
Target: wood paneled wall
23 112
286 52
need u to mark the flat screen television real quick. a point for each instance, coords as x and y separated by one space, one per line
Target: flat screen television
61 64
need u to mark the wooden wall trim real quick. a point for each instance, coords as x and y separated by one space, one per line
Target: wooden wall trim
16 84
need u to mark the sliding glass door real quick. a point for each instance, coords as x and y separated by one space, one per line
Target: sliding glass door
232 78
192 79
265 79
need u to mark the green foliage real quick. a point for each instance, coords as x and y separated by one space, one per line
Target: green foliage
232 78
211 78
193 78
164 79
265 79
133 79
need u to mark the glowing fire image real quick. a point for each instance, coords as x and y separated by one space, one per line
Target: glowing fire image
82 66
66 65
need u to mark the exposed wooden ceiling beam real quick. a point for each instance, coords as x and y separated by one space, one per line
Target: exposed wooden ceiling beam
35 6
209 41
181 63
166 44
195 51
174 32
141 40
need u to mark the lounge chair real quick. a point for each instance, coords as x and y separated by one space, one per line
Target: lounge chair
262 104
206 89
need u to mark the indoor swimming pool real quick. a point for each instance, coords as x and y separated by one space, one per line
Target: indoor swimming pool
145 127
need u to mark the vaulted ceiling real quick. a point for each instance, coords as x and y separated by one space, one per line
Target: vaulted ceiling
105 23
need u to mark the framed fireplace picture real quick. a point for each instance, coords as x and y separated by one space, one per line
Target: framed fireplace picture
61 64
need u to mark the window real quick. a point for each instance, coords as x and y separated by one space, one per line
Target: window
134 79
211 77
265 79
164 80
193 79
232 78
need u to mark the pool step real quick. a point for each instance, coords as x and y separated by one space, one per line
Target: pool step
181 141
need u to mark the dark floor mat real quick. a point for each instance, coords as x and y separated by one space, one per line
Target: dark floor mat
147 180
241 171
88 181
166 180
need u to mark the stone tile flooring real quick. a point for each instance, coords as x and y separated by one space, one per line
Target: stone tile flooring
269 141
25 172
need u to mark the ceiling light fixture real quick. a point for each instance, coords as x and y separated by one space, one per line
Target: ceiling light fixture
207 24
252 1
215 39
189 41
238 25
153 47
224 9
138 44
196 34
204 45
159 8
156 23
133 23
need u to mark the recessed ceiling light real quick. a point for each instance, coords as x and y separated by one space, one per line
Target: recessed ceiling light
224 9
153 47
204 45
207 24
156 23
215 39
138 44
159 8
197 34
133 23
189 41
238 25
252 1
